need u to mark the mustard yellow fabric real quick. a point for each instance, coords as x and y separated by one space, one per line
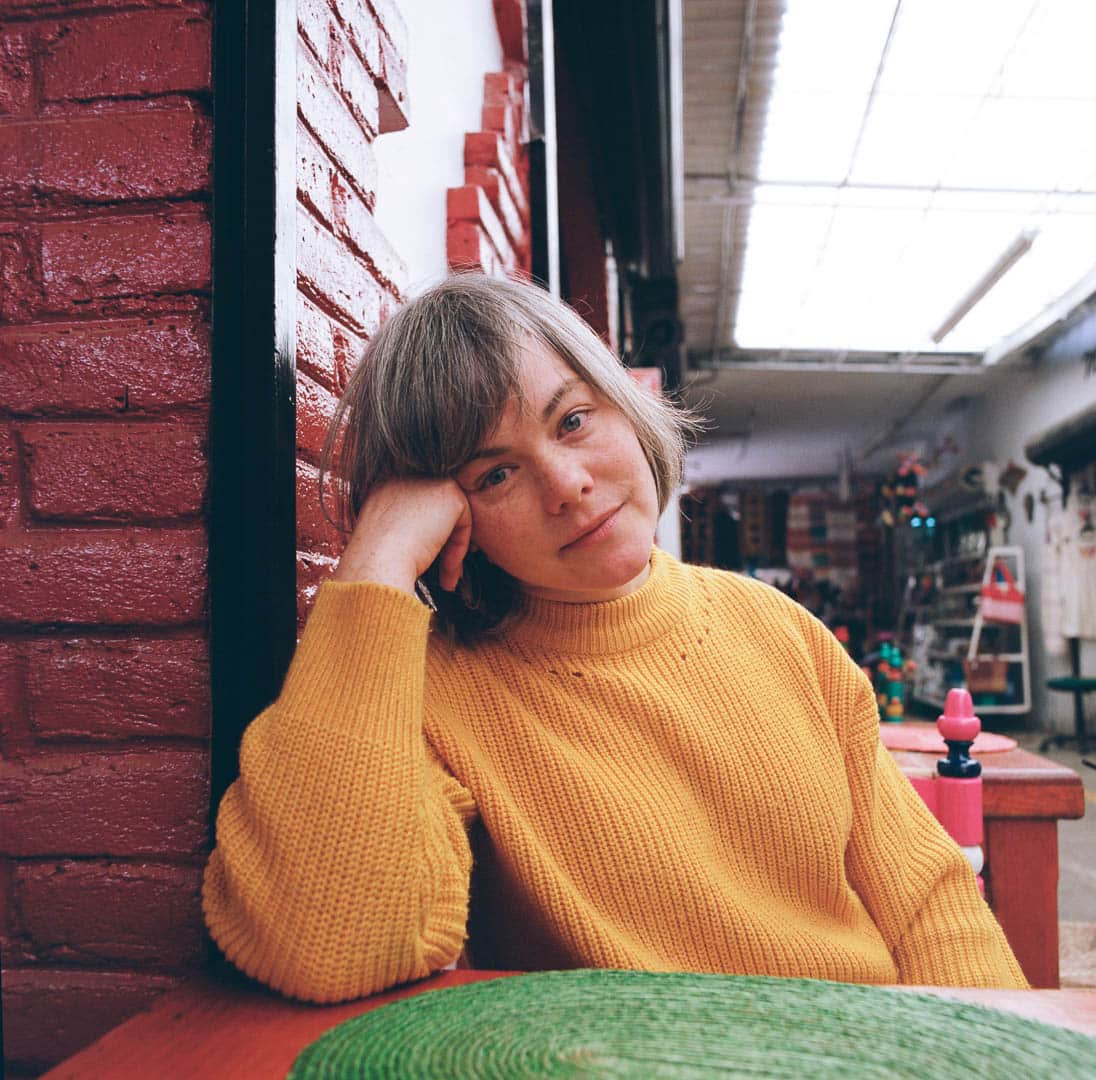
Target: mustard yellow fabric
687 778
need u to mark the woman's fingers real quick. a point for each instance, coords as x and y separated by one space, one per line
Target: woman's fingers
451 559
403 527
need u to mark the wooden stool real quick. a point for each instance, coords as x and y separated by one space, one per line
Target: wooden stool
1078 686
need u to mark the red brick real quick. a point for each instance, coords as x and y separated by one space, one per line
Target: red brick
151 154
130 54
395 105
336 280
328 117
64 7
486 148
502 118
20 291
314 532
383 56
349 347
356 168
510 19
316 345
468 248
360 25
312 571
470 204
9 477
101 368
88 912
50 1014
12 722
364 236
115 688
132 803
16 74
314 177
501 88
314 25
14 948
392 23
315 408
499 195
354 83
154 577
119 256
115 471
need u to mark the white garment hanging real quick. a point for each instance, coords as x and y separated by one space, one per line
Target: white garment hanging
1077 567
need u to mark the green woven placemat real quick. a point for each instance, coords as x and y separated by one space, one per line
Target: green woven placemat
643 1024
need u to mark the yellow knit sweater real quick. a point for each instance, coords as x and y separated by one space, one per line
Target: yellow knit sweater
687 778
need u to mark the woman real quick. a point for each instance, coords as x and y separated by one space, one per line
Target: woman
588 754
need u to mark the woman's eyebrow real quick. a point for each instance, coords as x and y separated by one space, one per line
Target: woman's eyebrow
562 391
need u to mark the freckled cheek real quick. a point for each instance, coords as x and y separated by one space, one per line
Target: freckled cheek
505 533
495 529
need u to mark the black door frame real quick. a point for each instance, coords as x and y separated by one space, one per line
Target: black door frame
252 446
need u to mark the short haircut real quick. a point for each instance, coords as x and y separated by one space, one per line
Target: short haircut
431 388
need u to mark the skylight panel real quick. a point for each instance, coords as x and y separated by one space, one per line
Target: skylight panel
910 139
896 171
1027 143
1053 59
948 47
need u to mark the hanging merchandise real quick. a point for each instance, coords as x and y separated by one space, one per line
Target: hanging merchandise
755 539
1069 572
1011 476
1001 600
900 493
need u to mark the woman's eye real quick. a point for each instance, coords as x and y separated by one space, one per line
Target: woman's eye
494 478
573 422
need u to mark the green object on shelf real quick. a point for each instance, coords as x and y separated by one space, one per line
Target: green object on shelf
593 1023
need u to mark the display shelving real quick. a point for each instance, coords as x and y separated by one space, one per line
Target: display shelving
947 630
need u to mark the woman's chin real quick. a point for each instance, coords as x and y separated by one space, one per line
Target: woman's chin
616 574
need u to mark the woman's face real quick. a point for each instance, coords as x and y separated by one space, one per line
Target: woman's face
561 494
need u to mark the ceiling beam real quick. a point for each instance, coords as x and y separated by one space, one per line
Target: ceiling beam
889 363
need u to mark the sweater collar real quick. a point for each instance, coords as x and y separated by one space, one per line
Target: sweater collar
659 605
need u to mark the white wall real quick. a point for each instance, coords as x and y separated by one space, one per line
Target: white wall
668 533
1019 405
450 48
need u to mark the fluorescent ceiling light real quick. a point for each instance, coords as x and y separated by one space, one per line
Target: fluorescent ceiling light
1004 263
903 153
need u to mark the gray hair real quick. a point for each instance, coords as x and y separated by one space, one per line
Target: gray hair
433 385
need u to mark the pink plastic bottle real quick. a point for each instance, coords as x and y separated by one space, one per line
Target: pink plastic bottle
959 778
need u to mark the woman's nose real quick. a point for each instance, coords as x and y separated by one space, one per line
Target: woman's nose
565 480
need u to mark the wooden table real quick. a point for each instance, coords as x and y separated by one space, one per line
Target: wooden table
210 1029
1024 795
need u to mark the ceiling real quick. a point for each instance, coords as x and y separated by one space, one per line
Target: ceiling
773 424
730 49
791 417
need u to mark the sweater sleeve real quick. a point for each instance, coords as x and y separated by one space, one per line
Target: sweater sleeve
914 881
342 862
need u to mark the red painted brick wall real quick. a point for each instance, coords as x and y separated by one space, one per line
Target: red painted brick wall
104 393
351 88
487 220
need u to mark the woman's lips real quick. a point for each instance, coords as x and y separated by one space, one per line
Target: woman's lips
596 534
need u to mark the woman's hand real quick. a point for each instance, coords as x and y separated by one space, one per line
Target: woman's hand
403 527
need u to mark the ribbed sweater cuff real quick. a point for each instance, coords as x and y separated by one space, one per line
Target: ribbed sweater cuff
363 642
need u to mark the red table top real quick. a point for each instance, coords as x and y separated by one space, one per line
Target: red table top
207 1030
1016 783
